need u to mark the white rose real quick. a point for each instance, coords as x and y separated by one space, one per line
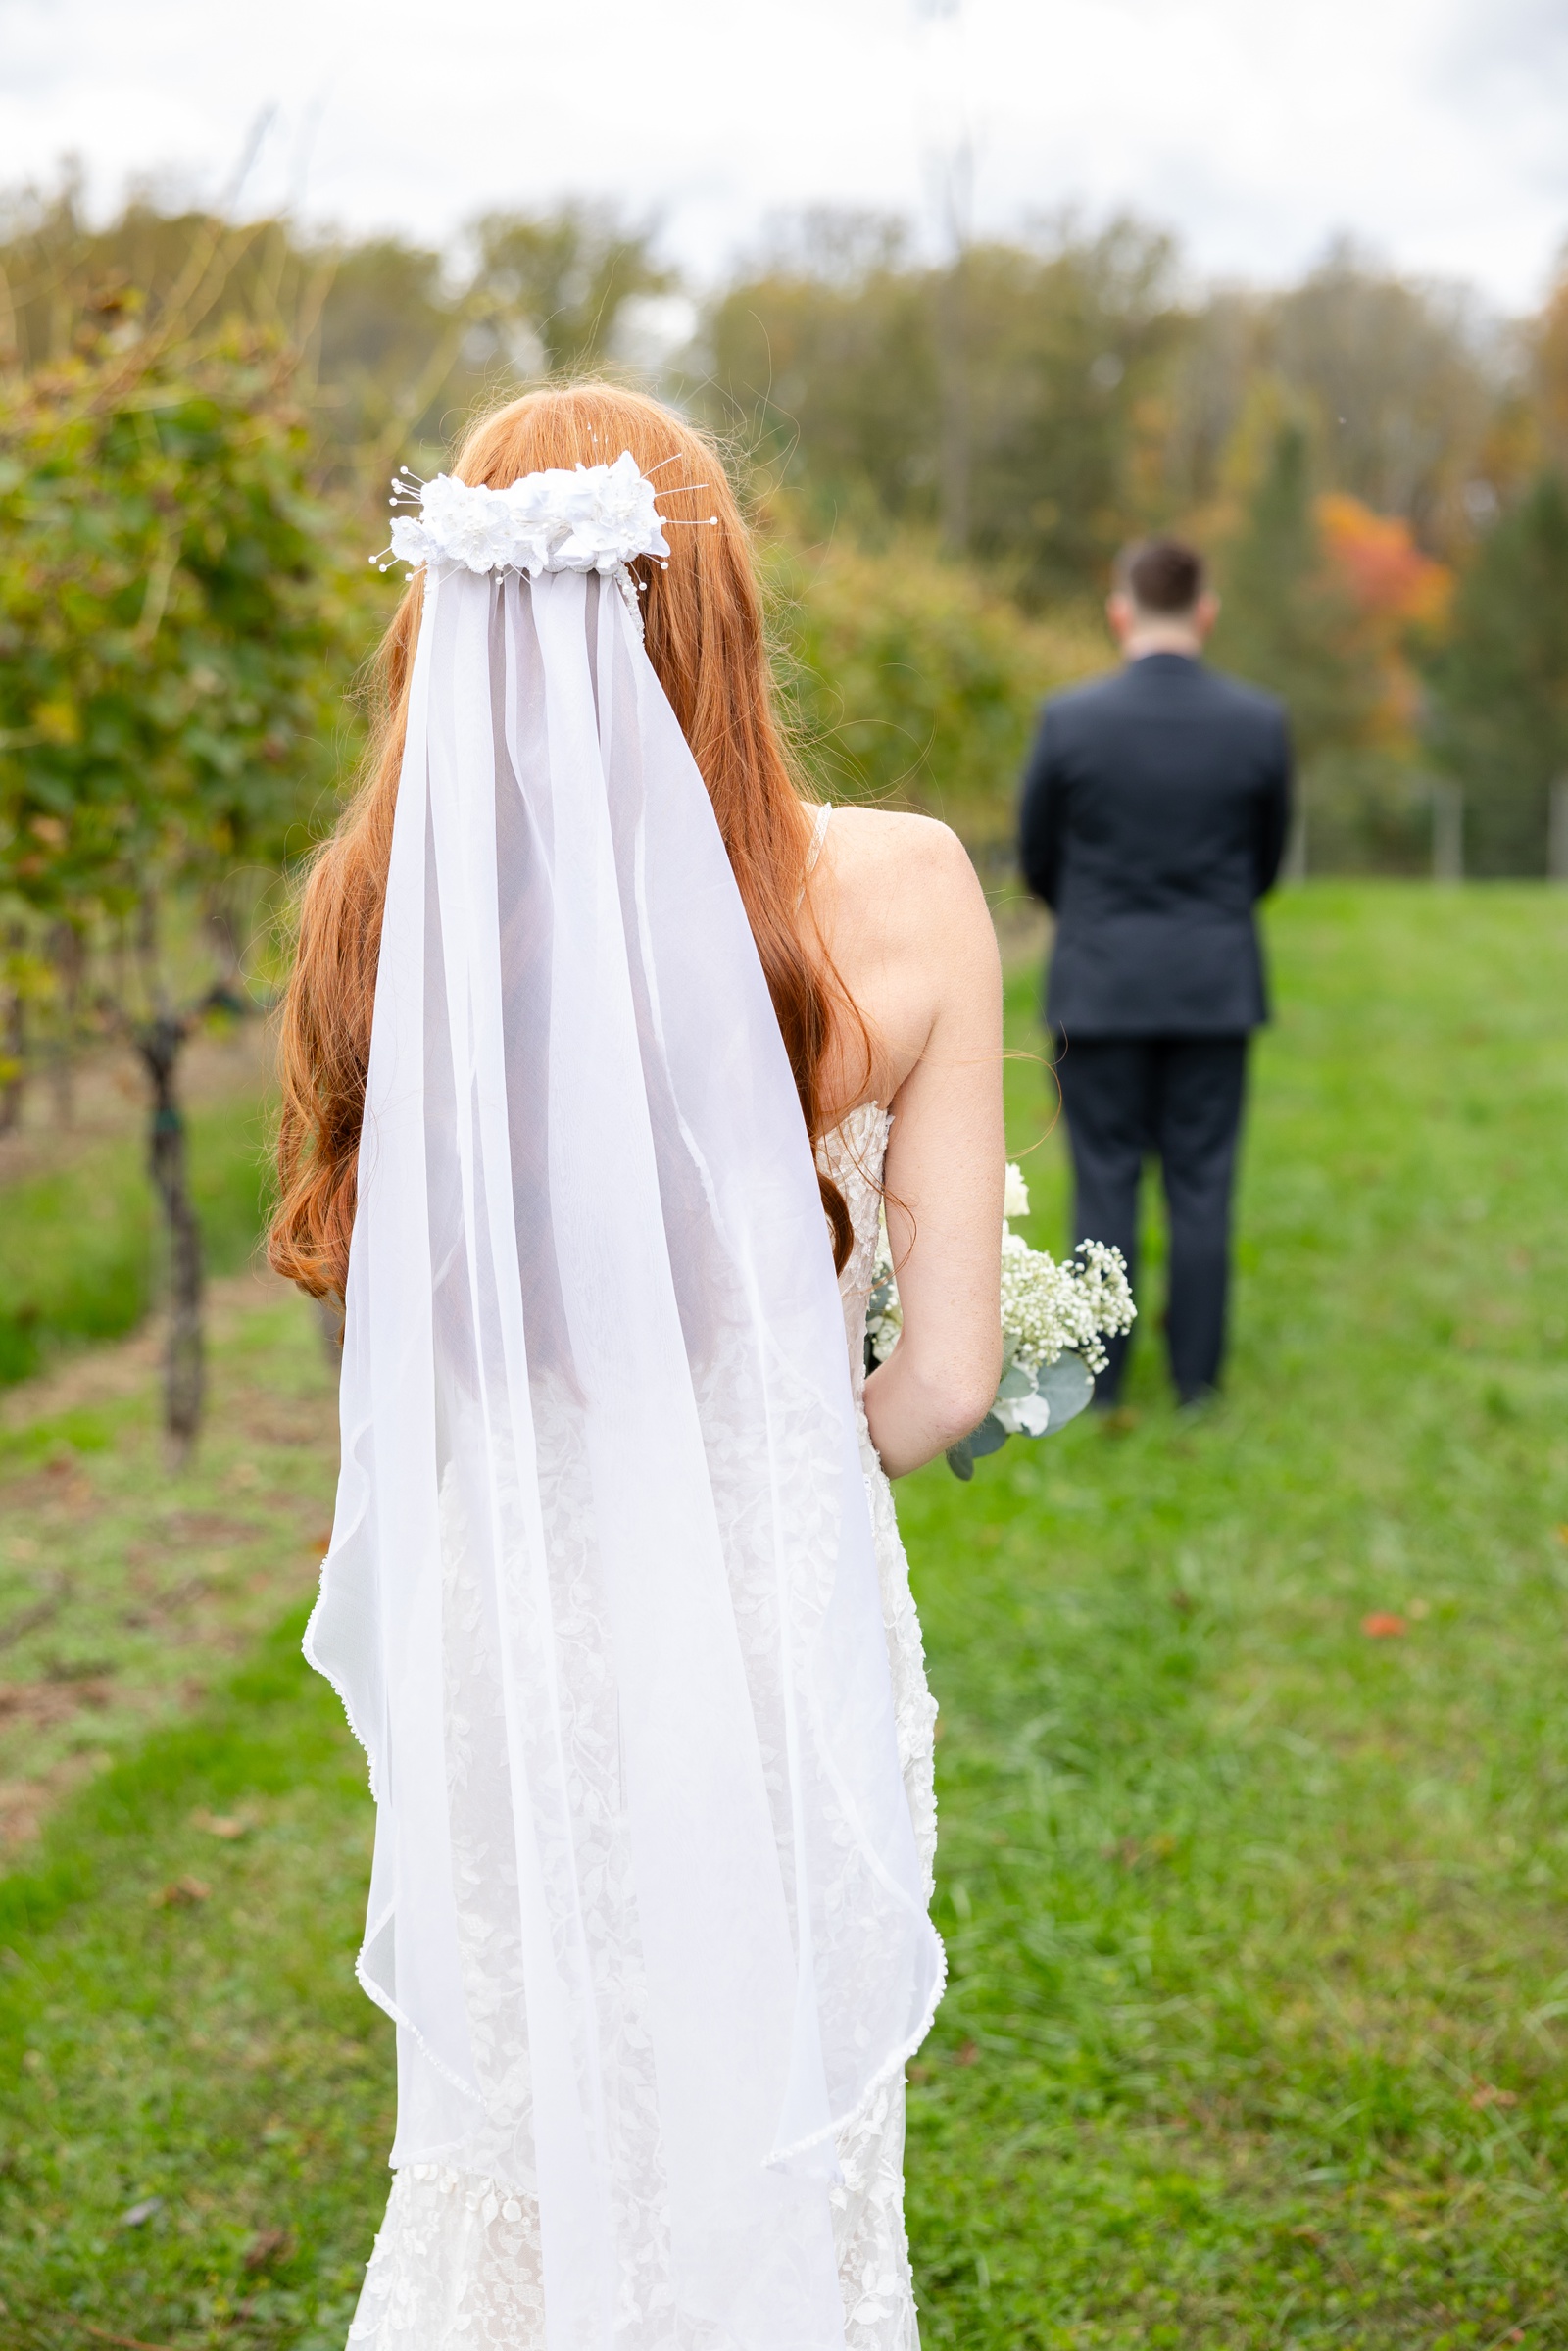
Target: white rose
1015 1195
1023 1415
1033 1415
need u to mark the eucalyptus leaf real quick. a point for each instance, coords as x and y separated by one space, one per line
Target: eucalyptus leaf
961 1461
989 1438
1016 1383
1066 1386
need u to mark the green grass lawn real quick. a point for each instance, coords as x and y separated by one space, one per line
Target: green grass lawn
1257 2032
78 1242
125 1592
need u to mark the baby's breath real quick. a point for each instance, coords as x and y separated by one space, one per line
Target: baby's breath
1047 1308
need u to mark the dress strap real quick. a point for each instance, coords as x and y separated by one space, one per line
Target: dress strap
819 836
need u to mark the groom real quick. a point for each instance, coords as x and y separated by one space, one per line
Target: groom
1156 808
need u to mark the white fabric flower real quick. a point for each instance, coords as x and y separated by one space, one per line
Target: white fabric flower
470 524
412 543
588 518
612 518
535 506
1015 1197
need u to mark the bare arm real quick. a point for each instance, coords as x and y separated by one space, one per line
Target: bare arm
944 1168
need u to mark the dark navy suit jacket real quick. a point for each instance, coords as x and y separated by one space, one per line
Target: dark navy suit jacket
1155 809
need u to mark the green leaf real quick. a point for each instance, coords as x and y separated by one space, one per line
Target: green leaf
1066 1386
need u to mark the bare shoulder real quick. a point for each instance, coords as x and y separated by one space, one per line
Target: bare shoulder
904 920
895 876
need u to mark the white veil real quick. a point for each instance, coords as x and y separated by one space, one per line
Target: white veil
602 1601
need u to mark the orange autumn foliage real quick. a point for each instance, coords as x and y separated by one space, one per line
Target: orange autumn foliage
1397 593
1378 560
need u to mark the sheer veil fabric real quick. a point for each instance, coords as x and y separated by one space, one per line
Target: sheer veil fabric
602 1599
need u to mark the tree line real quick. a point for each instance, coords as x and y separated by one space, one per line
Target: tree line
198 417
1376 464
1376 467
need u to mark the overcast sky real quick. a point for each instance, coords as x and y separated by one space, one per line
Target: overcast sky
1435 131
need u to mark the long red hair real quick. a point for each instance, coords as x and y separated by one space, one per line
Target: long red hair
706 640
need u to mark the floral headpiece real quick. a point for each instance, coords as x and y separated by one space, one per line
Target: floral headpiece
592 518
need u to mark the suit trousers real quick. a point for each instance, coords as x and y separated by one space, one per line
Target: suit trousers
1178 1100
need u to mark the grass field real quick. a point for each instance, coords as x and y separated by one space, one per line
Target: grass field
1253 1771
78 1233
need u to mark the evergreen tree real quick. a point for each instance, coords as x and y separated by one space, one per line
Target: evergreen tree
1287 623
1500 685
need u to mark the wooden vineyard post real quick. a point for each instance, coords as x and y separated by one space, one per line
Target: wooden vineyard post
159 1045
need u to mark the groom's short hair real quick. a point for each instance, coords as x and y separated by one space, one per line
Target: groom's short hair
1162 575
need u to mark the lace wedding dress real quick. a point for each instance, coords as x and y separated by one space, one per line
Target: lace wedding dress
456 2263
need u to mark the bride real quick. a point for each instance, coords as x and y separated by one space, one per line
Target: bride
602 1050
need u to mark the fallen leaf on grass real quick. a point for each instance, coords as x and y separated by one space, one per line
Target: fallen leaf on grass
1486 2093
183 1890
136 2214
1382 1626
967 2055
220 1824
268 2245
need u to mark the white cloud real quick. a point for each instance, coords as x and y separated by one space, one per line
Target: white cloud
1433 128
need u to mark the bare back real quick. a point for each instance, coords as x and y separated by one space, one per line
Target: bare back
900 915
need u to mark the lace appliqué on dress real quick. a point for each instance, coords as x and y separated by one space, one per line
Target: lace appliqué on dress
457 2265
457 2262
868 2209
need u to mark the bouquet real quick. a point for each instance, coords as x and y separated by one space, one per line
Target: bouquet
1055 1322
